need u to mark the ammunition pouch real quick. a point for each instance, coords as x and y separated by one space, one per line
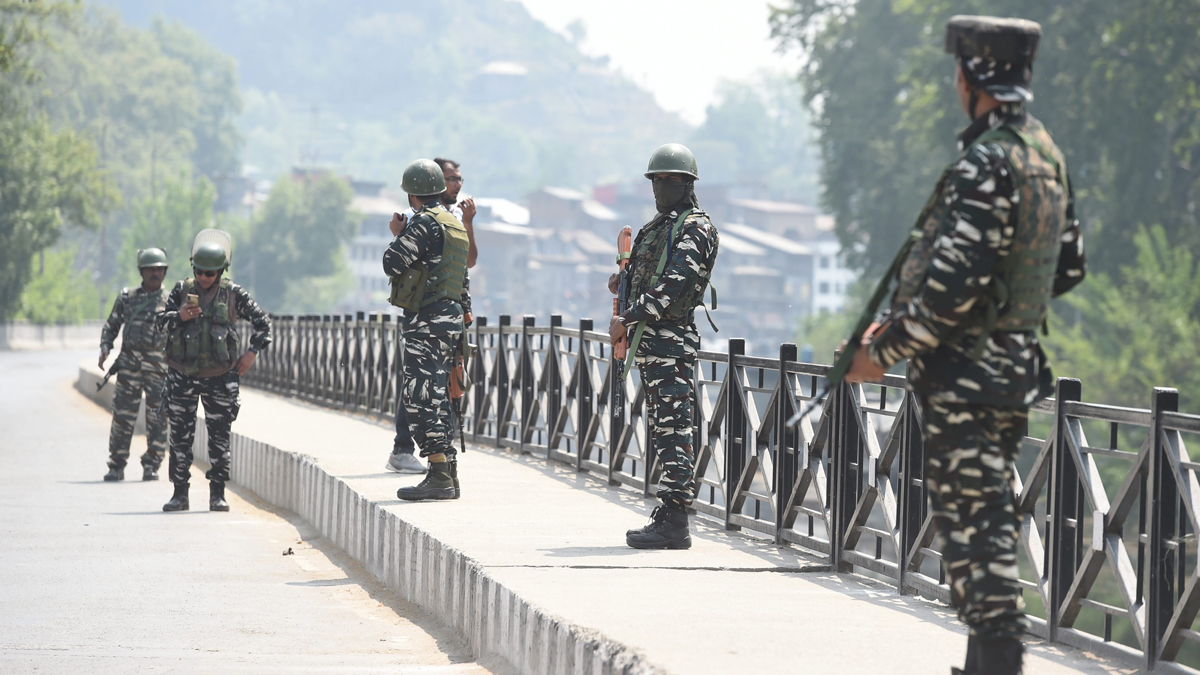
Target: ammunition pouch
408 289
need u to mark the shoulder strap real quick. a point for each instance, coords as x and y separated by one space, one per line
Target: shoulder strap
662 265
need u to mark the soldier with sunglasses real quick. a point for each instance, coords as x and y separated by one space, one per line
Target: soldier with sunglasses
200 320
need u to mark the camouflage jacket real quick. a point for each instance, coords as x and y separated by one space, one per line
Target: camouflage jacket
244 306
421 241
141 346
689 267
969 230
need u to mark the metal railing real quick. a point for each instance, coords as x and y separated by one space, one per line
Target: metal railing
1108 533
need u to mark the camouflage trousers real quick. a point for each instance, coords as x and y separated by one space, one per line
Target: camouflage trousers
427 362
127 398
669 414
221 404
969 451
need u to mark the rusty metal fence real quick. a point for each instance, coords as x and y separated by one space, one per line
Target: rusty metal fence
1109 528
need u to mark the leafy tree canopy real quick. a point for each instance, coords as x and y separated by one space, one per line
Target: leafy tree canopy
1116 83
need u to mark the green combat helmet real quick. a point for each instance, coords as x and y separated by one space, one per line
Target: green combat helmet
423 178
996 54
210 258
151 257
673 158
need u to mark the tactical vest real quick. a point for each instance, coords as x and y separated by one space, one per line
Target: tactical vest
421 286
1018 296
207 345
139 332
643 262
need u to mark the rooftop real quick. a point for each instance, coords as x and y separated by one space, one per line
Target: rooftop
766 206
766 239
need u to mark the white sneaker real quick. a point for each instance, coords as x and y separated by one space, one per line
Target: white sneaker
404 462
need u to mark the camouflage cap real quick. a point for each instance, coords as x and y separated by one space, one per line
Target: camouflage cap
996 54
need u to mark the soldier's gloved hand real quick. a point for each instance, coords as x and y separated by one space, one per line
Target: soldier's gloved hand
614 283
244 363
103 357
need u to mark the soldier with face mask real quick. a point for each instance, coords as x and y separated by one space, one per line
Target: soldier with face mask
670 265
997 241
140 367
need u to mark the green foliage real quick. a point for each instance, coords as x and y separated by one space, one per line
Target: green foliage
47 176
170 221
296 240
1115 83
1140 333
758 136
57 293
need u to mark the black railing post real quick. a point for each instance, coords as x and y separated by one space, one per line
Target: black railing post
1163 528
785 441
735 432
479 373
1062 503
554 393
914 495
502 379
583 394
845 467
528 386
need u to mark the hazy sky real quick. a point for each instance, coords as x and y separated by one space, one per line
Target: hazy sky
676 49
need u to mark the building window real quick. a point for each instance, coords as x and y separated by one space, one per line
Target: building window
824 288
824 262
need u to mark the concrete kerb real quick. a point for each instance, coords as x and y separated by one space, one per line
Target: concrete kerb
495 622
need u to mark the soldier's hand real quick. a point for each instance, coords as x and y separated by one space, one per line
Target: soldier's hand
468 319
614 283
244 363
863 369
468 209
189 312
397 224
103 358
616 331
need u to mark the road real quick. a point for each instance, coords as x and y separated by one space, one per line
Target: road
94 577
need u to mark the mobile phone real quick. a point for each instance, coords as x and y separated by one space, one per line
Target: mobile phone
193 299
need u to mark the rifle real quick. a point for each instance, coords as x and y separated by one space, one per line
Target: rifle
112 370
460 384
620 304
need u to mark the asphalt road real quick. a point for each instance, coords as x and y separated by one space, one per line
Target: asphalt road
94 577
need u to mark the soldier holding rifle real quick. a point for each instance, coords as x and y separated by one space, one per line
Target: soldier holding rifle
669 268
996 242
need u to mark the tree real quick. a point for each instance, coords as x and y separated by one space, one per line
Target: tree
297 237
1116 82
169 221
57 293
47 176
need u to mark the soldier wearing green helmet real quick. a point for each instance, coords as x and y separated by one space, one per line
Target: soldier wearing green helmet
997 240
427 265
200 320
140 367
670 265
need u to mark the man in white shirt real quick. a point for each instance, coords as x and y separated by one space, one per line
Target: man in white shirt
403 459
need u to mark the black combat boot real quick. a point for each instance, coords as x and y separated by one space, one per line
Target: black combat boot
668 528
438 484
971 667
1000 656
149 472
179 502
216 497
115 473
454 479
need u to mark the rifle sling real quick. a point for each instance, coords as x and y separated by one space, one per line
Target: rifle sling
662 265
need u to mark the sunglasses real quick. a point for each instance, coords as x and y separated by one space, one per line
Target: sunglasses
206 273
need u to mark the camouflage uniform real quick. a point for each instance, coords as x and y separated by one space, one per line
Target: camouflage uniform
219 391
430 338
666 355
140 368
975 403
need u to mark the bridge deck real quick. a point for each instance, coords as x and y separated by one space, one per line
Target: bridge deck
733 603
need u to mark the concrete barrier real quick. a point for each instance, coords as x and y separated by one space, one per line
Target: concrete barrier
443 581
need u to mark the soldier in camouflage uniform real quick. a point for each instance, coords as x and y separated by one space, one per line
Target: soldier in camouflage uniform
998 239
200 319
140 367
427 264
661 307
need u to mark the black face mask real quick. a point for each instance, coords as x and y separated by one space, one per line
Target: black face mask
668 193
